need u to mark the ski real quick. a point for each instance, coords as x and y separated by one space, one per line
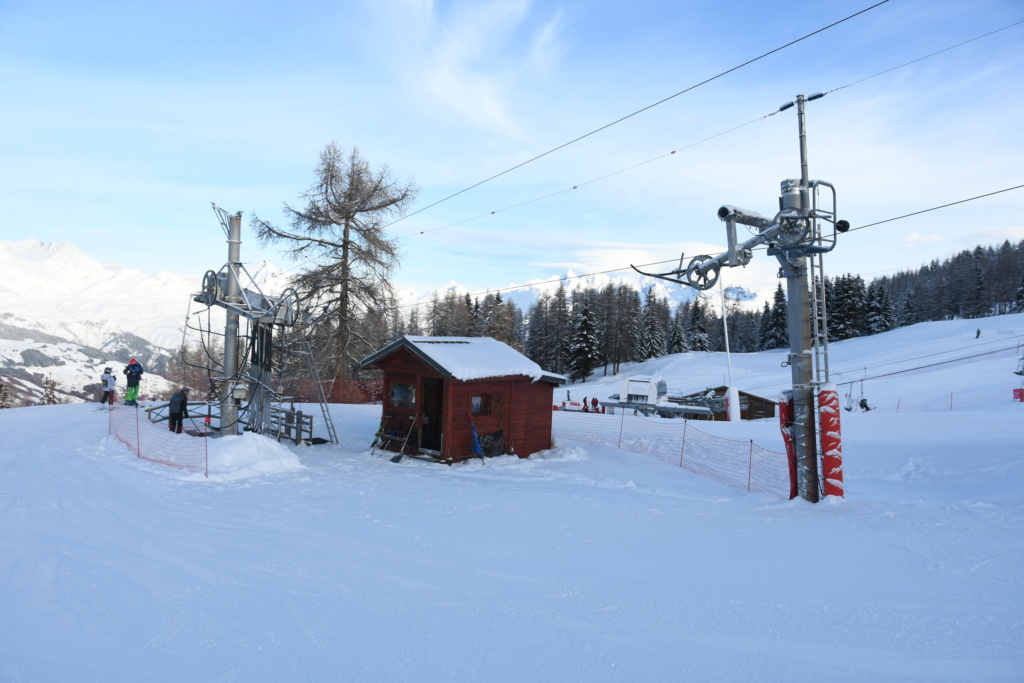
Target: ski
398 458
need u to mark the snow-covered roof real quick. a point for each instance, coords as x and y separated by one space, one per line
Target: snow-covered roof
646 378
722 388
468 358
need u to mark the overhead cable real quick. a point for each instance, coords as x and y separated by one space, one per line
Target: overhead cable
674 260
639 111
693 144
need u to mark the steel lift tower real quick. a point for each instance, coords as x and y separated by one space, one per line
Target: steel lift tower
225 288
803 229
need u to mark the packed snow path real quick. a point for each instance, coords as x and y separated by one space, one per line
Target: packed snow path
584 563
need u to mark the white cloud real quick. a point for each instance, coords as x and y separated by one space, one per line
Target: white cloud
991 236
916 239
466 60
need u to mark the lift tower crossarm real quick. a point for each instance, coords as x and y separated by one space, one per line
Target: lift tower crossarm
702 271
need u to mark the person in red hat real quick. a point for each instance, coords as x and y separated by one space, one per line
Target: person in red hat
133 371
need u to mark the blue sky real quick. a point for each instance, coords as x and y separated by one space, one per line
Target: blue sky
123 121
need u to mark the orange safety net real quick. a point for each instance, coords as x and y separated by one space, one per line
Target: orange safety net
742 464
156 443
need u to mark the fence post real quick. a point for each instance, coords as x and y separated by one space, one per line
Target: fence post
682 447
622 424
750 464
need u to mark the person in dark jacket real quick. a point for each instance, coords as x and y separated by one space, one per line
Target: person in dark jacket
178 410
133 371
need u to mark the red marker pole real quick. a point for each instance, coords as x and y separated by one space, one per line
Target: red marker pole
786 424
831 441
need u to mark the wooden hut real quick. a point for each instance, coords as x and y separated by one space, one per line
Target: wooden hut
436 389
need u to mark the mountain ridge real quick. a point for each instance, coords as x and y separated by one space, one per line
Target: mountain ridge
58 303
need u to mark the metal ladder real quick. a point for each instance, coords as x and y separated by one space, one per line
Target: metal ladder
819 319
305 349
819 334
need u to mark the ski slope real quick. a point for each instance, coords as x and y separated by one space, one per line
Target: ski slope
583 563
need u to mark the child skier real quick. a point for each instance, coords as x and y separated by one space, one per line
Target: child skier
134 373
107 380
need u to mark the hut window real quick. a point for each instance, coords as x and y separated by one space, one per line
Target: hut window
487 404
403 396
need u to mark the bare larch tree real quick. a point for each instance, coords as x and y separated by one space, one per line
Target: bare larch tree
341 230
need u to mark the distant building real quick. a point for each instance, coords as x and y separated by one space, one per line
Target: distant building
648 395
752 407
436 389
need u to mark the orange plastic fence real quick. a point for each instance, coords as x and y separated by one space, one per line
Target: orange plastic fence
156 443
356 391
742 464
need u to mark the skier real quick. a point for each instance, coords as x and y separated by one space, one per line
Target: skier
178 410
134 373
864 405
107 381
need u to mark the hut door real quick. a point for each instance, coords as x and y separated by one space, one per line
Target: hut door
432 413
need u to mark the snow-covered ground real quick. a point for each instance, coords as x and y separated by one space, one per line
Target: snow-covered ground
584 563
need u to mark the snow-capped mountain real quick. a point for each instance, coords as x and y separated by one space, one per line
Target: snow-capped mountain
525 295
66 316
57 290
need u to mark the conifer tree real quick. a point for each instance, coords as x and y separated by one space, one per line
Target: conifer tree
341 230
975 302
5 396
399 328
1004 277
1018 301
698 338
880 315
537 332
476 323
848 318
614 324
744 328
677 335
630 319
584 345
414 329
764 329
561 330
434 313
775 322
909 314
651 342
49 396
501 320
